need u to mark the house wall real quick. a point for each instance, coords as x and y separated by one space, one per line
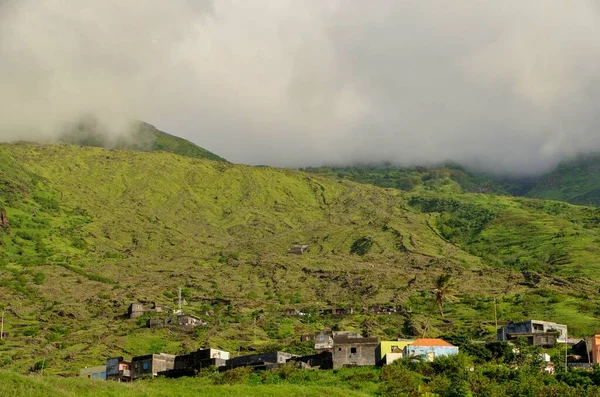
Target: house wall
162 362
97 372
354 351
596 349
391 357
529 326
151 364
430 352
386 347
255 359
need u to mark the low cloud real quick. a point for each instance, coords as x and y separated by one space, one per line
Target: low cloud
509 86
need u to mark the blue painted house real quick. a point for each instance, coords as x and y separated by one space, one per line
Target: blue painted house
430 349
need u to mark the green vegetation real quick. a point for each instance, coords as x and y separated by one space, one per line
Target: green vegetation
90 230
576 180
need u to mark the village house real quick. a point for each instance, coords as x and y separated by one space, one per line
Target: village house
429 349
323 341
389 351
353 350
190 364
322 360
184 321
548 365
594 346
137 309
151 365
380 309
298 249
97 372
295 312
539 333
259 361
118 369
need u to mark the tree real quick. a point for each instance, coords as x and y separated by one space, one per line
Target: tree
444 290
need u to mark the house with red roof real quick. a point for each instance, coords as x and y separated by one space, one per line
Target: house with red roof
430 348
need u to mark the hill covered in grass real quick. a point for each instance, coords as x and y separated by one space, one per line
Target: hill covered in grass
90 230
576 180
140 137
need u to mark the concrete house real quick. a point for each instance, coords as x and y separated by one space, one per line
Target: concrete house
151 364
190 364
323 341
185 321
298 249
322 360
429 349
97 372
260 361
350 350
118 369
532 329
389 351
135 310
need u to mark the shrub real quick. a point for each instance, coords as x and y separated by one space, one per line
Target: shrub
233 376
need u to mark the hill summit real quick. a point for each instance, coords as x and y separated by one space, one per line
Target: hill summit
142 137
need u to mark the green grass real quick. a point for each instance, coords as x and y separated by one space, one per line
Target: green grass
325 383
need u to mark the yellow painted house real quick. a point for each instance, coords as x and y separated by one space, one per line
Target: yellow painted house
389 351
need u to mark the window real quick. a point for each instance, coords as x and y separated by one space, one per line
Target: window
339 349
538 327
145 365
353 350
103 375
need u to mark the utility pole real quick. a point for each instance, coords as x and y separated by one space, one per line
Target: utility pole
566 353
179 295
2 326
495 313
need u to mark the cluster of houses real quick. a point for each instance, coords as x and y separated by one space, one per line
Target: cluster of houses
332 350
347 311
167 318
341 349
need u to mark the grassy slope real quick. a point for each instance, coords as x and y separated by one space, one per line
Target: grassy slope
576 181
142 137
321 384
92 230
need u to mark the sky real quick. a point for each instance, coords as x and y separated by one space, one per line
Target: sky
508 86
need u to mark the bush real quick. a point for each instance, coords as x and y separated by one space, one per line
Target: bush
234 376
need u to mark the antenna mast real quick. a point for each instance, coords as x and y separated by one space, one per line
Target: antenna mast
179 296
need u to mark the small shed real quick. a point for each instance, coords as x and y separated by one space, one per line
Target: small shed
299 249
135 310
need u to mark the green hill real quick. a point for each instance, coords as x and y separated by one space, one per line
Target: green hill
142 137
576 181
91 230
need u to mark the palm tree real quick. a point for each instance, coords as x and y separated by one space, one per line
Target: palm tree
444 290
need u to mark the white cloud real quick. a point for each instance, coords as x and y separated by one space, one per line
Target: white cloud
511 86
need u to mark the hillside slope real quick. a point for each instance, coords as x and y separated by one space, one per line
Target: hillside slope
576 181
142 137
90 230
